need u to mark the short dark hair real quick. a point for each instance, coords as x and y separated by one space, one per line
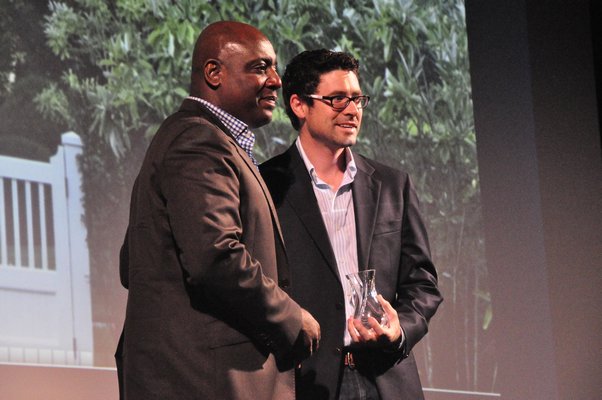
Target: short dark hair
303 72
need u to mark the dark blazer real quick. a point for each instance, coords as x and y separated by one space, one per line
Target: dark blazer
391 239
206 318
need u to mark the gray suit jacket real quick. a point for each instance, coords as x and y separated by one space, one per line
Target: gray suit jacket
204 263
391 239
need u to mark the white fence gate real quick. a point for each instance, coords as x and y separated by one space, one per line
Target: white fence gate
45 300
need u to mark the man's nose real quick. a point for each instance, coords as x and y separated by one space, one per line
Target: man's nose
352 108
274 81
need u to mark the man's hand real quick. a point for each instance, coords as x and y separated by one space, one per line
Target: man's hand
386 337
308 340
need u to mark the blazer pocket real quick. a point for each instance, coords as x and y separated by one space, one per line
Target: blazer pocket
389 226
220 334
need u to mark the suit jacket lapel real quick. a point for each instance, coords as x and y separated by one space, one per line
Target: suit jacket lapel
303 201
281 256
264 188
366 194
191 105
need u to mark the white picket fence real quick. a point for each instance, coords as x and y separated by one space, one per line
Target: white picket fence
45 300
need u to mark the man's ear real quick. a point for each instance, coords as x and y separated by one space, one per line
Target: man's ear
298 106
212 71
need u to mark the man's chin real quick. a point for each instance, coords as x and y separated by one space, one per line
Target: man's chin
350 141
263 119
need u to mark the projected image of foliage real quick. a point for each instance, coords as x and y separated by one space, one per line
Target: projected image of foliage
120 67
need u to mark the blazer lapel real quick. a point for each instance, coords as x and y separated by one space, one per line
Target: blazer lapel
303 201
191 105
366 194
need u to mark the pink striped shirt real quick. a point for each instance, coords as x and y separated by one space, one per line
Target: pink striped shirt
338 215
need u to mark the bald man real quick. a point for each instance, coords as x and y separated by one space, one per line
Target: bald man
208 313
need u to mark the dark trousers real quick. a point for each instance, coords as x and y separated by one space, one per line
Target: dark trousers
357 386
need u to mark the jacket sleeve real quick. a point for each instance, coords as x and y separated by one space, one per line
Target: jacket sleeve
418 296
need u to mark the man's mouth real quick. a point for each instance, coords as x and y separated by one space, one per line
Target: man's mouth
348 125
269 99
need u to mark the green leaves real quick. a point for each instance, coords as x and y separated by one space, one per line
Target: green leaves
61 28
53 103
134 58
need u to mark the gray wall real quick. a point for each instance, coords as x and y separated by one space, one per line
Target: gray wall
540 163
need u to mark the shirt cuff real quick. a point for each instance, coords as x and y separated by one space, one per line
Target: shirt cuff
394 348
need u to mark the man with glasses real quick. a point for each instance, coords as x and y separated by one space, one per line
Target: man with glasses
340 213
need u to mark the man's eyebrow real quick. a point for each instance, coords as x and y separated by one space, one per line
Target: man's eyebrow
344 93
268 61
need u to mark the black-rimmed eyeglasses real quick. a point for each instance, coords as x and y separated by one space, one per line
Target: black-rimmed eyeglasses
340 102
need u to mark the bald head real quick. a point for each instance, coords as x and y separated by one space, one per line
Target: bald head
214 37
214 41
234 68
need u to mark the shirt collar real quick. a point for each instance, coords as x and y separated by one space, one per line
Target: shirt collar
236 126
350 168
239 130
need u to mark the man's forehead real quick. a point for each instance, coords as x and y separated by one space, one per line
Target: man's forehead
260 49
339 80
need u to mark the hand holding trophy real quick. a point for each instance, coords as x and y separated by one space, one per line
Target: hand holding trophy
364 299
374 322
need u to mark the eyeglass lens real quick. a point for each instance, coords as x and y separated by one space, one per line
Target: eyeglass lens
341 102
